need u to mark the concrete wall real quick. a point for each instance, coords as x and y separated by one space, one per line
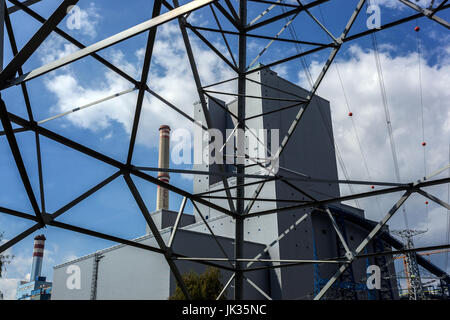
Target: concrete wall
123 273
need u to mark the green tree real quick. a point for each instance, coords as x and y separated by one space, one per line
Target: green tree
4 259
205 286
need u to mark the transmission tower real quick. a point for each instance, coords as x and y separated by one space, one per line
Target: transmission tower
413 280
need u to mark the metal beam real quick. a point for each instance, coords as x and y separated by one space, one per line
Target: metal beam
144 77
25 3
226 14
430 14
348 252
201 172
214 49
85 195
319 203
435 199
198 84
26 97
103 44
19 237
104 236
251 261
90 104
212 234
313 91
75 42
259 36
18 214
31 46
321 76
230 52
177 222
352 197
167 254
285 14
103 158
18 160
240 142
225 287
261 291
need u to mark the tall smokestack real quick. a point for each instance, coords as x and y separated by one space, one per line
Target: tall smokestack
38 256
162 197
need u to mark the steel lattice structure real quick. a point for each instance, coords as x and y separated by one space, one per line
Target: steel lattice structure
237 16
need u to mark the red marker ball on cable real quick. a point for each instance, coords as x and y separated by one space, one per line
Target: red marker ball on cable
424 144
350 114
417 29
426 202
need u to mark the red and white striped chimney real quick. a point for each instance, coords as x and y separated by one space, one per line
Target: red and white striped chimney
38 256
162 196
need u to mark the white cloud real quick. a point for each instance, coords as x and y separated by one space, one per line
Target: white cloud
18 267
8 287
54 48
88 19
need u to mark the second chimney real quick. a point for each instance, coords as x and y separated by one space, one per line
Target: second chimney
38 255
162 196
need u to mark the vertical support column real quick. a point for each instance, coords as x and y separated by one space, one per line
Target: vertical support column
2 31
240 137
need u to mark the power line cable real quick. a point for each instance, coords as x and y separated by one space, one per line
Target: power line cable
419 53
387 116
448 213
309 78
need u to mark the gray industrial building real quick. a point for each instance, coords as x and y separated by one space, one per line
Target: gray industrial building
124 272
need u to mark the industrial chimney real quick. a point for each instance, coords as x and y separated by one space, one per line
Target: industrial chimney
38 255
162 197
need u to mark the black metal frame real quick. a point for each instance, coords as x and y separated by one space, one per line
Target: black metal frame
237 209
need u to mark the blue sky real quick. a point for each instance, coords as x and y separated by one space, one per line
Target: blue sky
106 128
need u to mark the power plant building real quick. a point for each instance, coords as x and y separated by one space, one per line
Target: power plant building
124 272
